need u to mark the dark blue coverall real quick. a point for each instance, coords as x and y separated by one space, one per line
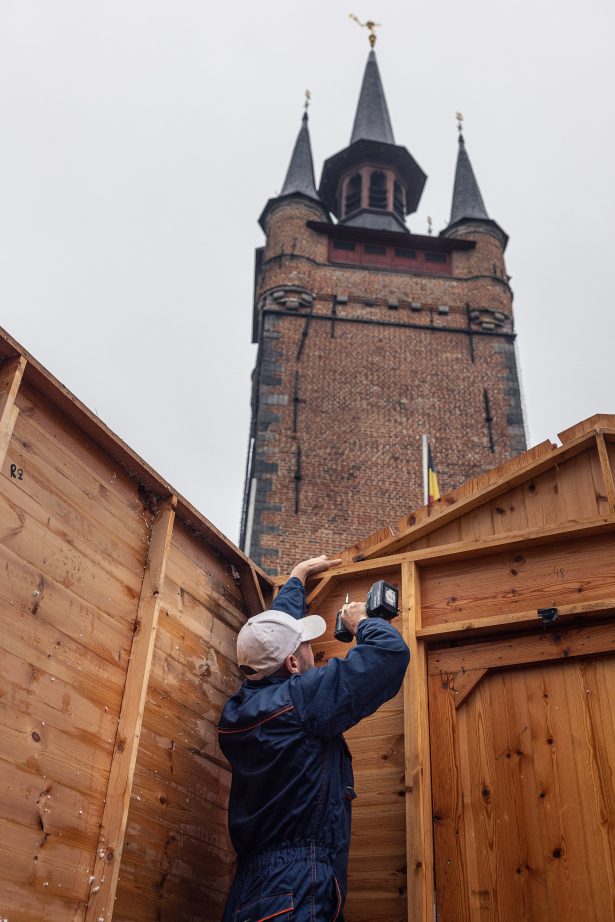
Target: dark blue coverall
292 786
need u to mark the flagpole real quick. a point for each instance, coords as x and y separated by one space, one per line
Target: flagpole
425 471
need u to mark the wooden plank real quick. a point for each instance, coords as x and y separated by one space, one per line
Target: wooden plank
355 551
419 840
447 795
607 472
587 704
251 590
462 550
109 851
93 428
459 507
464 683
556 644
557 796
488 890
520 854
320 593
11 373
456 630
522 578
598 421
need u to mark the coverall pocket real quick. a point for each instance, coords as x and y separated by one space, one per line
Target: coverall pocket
278 907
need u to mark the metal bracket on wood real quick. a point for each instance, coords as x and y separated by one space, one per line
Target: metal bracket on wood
548 615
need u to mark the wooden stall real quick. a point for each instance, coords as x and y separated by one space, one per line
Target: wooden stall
486 790
120 606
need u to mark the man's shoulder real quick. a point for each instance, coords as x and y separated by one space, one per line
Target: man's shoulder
254 703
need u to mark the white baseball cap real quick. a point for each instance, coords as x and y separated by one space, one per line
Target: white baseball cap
266 640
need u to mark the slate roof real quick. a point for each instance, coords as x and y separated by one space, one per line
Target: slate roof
300 175
372 121
467 200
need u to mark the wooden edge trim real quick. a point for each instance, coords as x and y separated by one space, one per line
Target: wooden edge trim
11 374
251 591
117 802
491 545
607 472
68 404
322 592
456 630
467 684
419 826
458 508
533 648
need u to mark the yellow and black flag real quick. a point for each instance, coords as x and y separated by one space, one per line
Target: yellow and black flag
430 478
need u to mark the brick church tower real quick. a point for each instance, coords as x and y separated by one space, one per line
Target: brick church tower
369 337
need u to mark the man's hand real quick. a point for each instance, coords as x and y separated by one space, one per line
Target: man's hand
315 565
352 613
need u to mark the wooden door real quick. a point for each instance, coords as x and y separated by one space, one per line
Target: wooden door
523 777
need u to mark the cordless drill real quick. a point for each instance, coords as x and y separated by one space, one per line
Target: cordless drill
381 602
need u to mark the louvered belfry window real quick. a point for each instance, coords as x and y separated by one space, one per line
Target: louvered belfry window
378 190
353 194
398 199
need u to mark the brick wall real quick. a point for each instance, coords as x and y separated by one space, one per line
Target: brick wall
377 357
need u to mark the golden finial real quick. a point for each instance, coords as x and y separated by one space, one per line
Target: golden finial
459 124
429 226
308 96
369 25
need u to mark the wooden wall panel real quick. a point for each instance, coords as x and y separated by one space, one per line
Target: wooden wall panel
73 542
177 860
524 798
536 577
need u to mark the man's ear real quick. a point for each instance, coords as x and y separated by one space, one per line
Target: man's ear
292 663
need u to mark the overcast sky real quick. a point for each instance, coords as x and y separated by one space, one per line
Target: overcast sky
140 140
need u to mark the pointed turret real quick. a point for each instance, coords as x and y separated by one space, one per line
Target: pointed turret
468 207
300 174
467 200
372 183
372 121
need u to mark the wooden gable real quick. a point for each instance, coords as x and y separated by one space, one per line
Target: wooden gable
456 778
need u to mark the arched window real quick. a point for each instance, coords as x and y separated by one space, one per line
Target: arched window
398 199
353 193
378 190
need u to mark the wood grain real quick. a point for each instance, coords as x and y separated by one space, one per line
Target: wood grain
109 850
555 644
448 814
607 471
11 373
564 573
419 851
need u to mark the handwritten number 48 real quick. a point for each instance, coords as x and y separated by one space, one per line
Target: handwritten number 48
558 572
16 472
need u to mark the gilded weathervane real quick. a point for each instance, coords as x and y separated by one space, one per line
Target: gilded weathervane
308 96
369 25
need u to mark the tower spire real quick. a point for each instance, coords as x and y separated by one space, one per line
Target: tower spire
300 174
372 121
467 200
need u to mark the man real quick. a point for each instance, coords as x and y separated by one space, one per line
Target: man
292 787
